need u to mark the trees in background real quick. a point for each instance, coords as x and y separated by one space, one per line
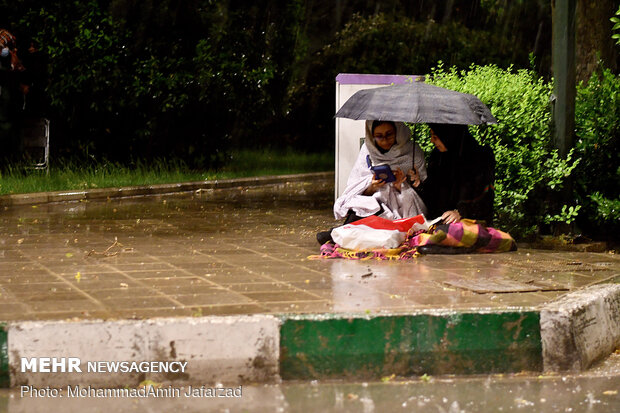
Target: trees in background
137 79
131 79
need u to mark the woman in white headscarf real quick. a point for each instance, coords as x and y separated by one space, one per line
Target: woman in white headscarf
365 194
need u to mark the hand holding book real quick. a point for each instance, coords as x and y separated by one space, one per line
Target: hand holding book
381 172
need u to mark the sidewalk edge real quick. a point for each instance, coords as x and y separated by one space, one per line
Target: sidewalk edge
160 189
581 328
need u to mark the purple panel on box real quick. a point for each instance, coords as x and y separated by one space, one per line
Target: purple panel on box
373 79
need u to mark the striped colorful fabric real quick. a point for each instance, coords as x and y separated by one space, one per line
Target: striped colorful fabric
466 234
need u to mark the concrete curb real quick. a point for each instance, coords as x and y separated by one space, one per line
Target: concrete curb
568 334
217 349
111 193
581 327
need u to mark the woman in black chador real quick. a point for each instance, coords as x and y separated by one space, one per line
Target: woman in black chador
461 174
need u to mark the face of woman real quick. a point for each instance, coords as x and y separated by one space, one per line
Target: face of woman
437 142
385 136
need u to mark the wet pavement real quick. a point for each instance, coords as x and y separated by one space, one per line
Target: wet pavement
245 251
597 390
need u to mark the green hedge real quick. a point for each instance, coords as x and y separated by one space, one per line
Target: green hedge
529 173
597 177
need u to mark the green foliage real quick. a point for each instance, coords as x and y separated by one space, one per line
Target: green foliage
191 79
616 21
133 79
607 210
414 46
86 81
90 48
597 125
567 215
529 171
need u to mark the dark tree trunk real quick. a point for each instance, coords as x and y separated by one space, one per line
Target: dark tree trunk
594 42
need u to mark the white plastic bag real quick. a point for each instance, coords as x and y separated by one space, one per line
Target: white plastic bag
373 232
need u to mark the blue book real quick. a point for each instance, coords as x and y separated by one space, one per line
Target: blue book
382 171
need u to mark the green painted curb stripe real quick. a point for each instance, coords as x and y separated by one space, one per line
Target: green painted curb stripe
460 343
4 357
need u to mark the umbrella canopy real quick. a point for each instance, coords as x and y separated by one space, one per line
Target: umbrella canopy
416 102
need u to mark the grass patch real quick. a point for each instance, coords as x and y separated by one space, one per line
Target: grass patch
269 162
73 176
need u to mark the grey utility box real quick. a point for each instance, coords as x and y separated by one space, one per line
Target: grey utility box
350 133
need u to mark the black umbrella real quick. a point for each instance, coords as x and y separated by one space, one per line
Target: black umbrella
416 102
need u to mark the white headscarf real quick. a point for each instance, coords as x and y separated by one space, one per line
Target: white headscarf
402 154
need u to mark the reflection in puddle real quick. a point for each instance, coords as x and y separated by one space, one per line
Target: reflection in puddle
369 285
